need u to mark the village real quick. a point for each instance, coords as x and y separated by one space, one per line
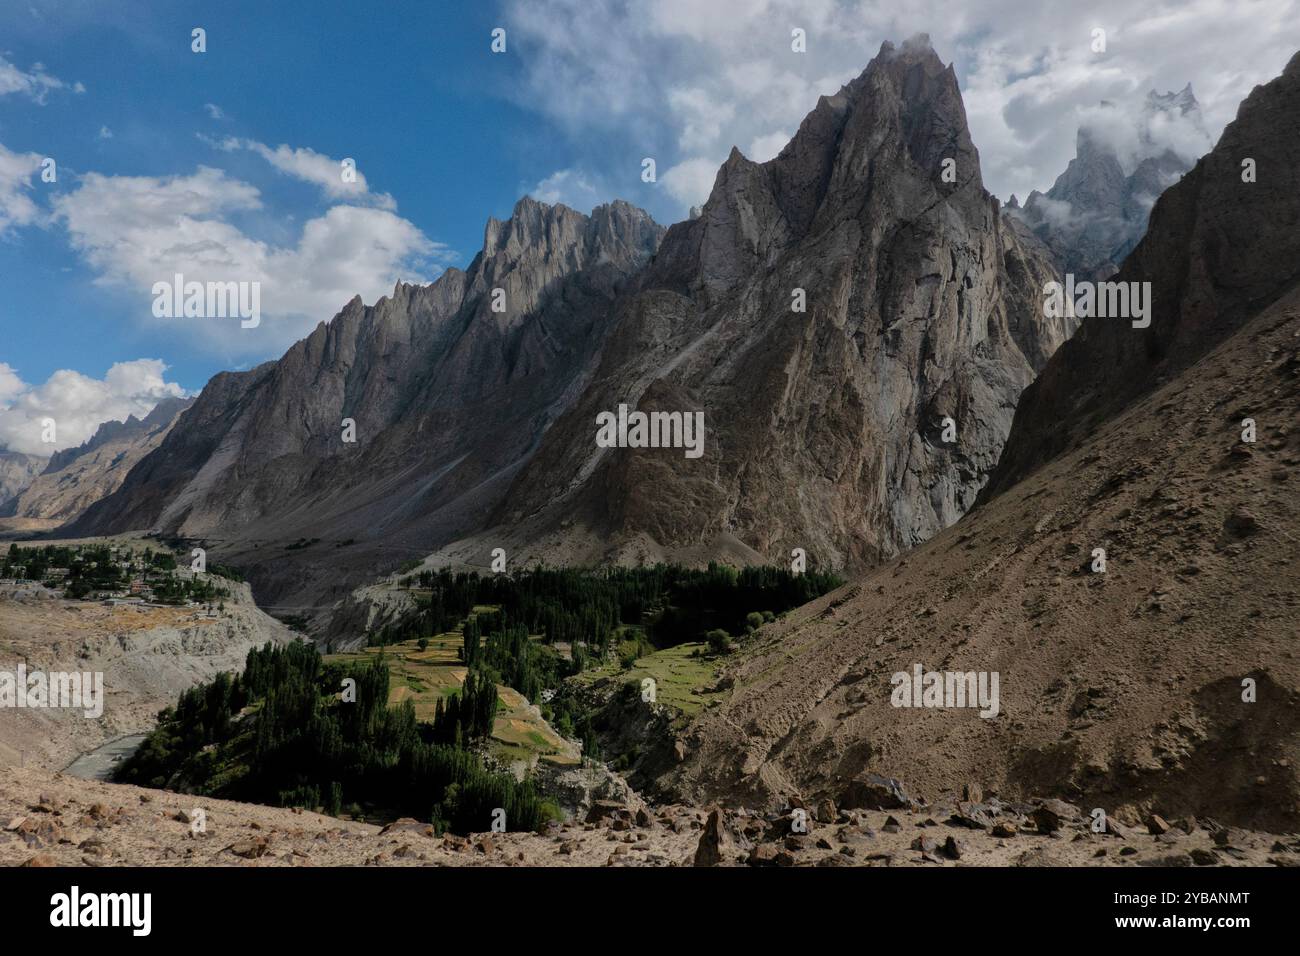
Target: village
115 575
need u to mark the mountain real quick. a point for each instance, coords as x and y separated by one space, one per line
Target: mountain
446 397
1164 680
76 478
824 429
1097 209
853 429
17 471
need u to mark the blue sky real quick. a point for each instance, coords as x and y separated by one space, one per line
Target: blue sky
413 94
226 160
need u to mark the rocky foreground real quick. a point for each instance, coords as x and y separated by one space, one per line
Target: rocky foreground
49 819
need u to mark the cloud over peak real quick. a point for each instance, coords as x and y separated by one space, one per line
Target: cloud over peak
77 403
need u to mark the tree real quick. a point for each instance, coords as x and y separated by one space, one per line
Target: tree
719 641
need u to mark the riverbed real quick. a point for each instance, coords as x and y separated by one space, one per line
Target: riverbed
99 764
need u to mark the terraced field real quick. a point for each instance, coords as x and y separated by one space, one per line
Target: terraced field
681 675
519 734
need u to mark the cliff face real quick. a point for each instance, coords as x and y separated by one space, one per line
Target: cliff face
445 395
854 320
76 478
824 428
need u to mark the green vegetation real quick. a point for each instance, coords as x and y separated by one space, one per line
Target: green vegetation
465 665
288 732
680 674
594 611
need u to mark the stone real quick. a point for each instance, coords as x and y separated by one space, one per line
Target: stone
1156 824
871 791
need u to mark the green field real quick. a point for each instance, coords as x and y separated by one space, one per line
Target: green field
425 676
680 675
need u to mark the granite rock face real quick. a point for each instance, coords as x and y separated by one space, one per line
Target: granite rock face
855 321
1129 442
824 428
446 395
76 478
1097 209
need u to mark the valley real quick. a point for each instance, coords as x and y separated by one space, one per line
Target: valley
857 519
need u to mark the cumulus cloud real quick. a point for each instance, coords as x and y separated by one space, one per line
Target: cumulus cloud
17 208
691 180
78 404
686 81
214 111
138 230
36 84
768 146
316 168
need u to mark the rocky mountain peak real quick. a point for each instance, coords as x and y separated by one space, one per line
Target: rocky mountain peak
826 312
1223 243
1125 156
880 142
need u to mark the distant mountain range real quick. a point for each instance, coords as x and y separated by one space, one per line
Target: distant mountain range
853 322
1097 209
17 471
75 478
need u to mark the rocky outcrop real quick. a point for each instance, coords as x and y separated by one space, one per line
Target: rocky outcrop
76 478
1097 209
57 820
854 320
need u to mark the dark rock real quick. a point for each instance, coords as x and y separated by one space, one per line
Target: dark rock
871 791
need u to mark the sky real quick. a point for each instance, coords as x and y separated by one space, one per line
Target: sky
228 164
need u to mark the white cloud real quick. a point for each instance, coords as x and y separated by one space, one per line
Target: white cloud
105 133
10 384
572 187
214 111
768 146
35 83
315 168
138 230
691 181
691 80
16 205
77 403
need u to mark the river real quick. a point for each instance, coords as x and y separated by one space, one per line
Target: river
97 764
